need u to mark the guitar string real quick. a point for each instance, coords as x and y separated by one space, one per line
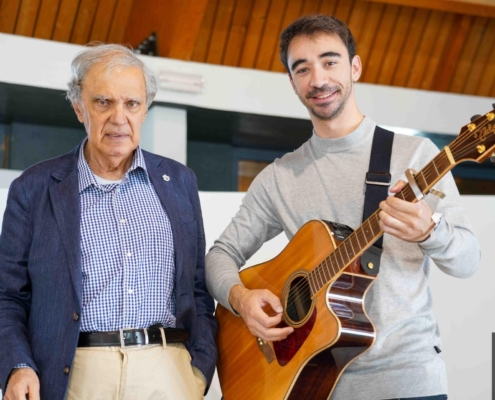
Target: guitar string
428 171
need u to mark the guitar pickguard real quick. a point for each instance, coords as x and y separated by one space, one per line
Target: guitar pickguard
286 349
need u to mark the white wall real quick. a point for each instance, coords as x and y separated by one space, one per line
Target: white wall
41 63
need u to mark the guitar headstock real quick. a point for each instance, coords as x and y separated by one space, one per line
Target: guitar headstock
476 141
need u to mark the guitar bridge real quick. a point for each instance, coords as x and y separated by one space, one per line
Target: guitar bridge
266 349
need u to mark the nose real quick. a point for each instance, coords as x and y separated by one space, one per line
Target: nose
118 116
317 78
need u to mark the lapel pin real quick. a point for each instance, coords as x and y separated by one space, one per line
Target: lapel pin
166 178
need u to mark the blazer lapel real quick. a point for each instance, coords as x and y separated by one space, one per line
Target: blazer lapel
65 200
167 193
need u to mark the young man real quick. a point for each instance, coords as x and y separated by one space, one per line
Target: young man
325 179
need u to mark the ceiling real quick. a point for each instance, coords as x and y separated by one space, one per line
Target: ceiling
442 45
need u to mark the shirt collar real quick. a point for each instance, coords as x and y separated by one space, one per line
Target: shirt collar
87 177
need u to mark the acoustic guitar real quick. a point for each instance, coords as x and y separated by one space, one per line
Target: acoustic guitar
322 285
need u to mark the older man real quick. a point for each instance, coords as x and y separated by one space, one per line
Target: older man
102 288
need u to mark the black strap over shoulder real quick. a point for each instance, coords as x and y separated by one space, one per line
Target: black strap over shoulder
377 183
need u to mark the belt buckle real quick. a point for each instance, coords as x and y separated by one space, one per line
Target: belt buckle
122 338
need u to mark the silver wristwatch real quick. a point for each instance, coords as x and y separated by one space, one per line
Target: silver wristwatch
436 218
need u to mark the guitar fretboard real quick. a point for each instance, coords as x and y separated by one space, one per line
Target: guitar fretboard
364 236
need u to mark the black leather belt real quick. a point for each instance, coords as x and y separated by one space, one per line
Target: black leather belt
131 337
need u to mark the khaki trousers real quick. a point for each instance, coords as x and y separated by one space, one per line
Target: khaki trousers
152 372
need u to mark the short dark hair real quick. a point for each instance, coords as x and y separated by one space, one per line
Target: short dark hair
311 25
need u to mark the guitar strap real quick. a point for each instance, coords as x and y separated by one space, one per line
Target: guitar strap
377 183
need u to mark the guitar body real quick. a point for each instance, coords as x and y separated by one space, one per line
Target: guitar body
331 328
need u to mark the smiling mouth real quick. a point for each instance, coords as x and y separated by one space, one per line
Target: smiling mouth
323 96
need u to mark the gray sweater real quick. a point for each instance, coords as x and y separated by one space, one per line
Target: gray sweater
324 179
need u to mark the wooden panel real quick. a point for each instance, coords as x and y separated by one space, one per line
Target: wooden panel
371 27
84 21
65 20
328 7
310 7
102 20
120 22
26 19
431 33
490 90
452 50
436 54
394 53
46 19
176 23
237 34
487 79
343 9
221 27
292 12
273 28
253 35
410 48
384 35
481 60
357 20
455 6
186 29
9 10
204 37
463 66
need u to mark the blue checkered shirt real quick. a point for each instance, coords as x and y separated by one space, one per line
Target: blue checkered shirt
127 251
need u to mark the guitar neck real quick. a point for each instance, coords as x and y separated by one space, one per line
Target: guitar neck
364 236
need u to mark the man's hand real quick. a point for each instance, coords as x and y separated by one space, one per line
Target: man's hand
23 384
407 221
250 305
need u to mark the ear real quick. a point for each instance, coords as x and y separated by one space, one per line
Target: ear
356 68
79 112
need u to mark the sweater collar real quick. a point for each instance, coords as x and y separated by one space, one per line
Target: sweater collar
359 137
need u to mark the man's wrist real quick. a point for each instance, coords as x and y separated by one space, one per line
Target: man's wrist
234 294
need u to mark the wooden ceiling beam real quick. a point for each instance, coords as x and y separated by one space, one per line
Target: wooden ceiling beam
480 8
176 23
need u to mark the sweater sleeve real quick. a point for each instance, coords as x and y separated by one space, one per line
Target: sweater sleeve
253 225
452 246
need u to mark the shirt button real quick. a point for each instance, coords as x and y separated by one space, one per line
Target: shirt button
122 221
75 316
66 370
130 291
129 254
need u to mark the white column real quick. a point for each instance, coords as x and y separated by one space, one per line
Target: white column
165 132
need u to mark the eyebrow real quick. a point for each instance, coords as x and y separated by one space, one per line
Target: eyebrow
295 64
103 97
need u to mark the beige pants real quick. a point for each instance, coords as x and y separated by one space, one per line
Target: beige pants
135 373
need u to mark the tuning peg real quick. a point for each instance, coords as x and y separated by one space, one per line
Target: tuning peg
475 117
493 106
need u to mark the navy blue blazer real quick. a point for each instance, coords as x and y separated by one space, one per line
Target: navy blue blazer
40 269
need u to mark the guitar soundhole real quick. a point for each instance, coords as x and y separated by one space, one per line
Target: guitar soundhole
298 302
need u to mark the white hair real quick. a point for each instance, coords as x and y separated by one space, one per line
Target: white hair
112 56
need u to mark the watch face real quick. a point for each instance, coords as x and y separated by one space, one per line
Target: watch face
436 217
